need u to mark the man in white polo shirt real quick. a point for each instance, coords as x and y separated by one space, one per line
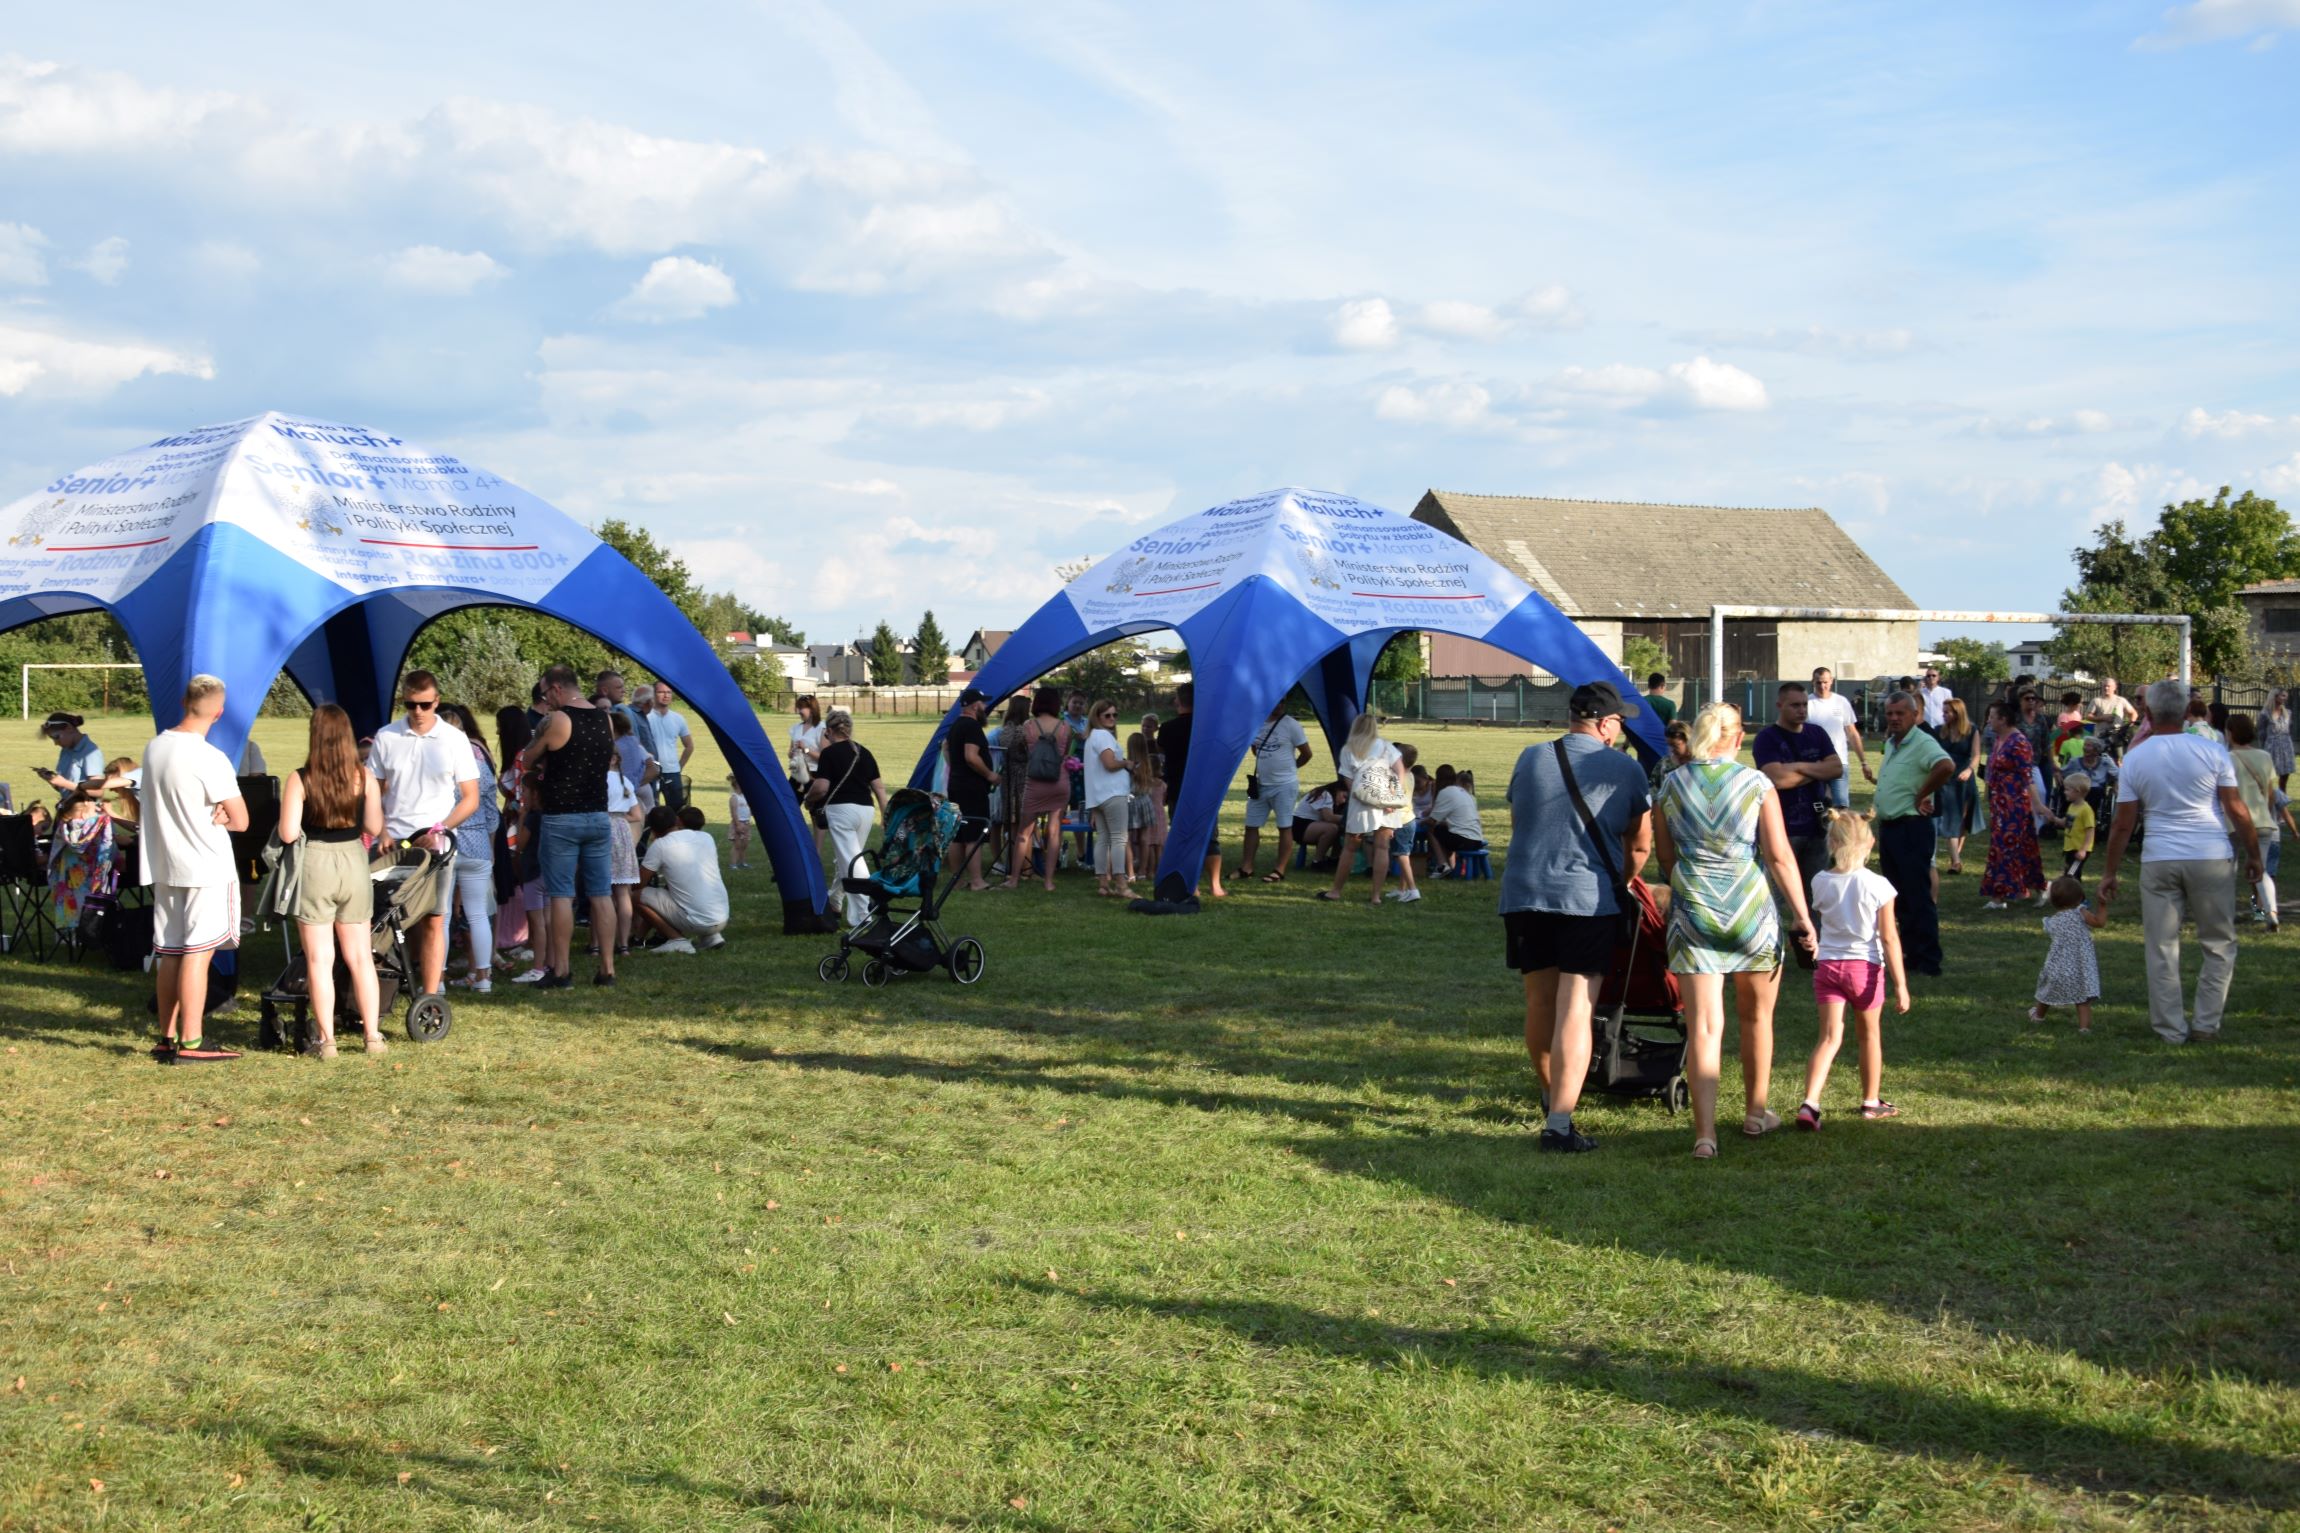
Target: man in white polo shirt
2186 785
430 782
191 804
1832 713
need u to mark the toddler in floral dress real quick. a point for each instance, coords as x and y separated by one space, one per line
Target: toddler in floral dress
2071 975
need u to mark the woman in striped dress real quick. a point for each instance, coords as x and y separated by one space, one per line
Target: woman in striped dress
1714 819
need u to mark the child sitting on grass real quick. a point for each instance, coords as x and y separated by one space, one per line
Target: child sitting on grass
1857 946
2079 824
2071 974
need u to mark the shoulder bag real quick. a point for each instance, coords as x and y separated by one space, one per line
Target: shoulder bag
1254 779
817 800
1613 878
1379 784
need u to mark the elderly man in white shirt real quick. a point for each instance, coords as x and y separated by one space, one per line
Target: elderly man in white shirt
2187 786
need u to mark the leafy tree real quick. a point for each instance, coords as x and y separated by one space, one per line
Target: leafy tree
657 563
487 671
930 652
1642 656
1975 661
2201 553
1401 659
722 612
885 657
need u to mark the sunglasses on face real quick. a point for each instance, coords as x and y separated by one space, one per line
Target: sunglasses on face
420 705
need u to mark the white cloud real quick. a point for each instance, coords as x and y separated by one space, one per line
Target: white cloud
51 364
864 486
861 220
442 273
2282 478
1466 321
2229 425
2132 492
1365 324
2210 21
21 261
227 259
1718 385
1699 384
2075 423
1456 403
1551 308
1815 341
677 287
106 260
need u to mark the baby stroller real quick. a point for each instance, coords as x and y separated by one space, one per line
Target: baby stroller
895 940
405 892
1637 1038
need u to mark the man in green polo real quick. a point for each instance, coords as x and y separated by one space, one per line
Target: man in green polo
1914 768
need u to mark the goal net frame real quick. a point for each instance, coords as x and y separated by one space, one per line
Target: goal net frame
1718 615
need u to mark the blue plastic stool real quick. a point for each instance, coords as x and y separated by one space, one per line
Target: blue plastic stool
1473 865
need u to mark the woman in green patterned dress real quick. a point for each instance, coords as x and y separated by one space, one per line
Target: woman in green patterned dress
1714 819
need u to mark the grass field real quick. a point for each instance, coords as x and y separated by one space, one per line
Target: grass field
1231 1221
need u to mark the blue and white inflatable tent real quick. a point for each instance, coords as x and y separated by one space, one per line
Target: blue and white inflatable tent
1293 586
278 542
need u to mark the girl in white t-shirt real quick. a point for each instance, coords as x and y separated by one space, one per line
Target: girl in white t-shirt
738 824
1858 946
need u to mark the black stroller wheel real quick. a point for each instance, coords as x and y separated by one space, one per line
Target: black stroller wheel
832 969
967 960
1680 1096
876 972
427 1018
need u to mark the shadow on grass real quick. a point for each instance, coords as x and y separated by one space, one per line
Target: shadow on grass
1895 1417
512 1487
2142 1249
1042 1075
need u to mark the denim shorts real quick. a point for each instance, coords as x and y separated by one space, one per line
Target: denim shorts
1279 795
575 844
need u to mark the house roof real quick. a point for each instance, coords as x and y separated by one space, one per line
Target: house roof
1629 559
2271 588
991 638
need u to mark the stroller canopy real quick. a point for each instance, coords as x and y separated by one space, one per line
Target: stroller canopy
279 542
1290 586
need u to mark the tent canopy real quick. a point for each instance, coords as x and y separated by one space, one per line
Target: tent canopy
278 542
1293 586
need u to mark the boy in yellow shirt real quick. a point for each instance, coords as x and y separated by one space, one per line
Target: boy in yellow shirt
2079 823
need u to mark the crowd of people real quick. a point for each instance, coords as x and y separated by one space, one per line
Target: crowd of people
583 794
1768 862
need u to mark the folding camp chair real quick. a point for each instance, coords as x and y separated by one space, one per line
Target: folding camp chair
24 917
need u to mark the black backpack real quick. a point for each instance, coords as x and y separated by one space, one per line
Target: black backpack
1045 763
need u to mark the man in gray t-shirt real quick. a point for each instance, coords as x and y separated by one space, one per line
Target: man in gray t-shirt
1560 912
1281 747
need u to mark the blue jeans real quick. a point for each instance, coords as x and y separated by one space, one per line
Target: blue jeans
1841 788
575 844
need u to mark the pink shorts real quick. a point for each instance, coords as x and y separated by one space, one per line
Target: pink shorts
1857 982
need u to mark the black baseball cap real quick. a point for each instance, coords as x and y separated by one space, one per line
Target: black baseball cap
971 696
1596 699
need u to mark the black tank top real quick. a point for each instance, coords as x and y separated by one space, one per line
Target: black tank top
330 834
575 775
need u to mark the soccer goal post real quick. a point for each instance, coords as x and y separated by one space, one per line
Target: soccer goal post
113 665
1718 615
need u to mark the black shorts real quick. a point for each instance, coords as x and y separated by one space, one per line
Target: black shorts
972 809
1543 939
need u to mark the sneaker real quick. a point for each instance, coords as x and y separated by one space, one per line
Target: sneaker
1809 1118
556 982
531 977
602 978
1879 1109
480 986
518 954
714 942
1995 905
1408 897
675 945
1570 1141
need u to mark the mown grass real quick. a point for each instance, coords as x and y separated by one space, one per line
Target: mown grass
1229 1221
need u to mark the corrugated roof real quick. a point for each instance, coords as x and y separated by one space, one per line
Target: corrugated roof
1630 559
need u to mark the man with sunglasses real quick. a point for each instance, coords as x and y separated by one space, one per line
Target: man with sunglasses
430 783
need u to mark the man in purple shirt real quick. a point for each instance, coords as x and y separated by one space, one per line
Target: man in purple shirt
1801 763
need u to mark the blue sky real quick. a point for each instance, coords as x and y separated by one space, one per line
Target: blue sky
889 306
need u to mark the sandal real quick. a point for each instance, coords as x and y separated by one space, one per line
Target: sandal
1327 894
1879 1109
1758 1125
1704 1149
1279 878
2036 1013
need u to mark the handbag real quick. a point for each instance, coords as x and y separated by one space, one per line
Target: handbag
1613 878
1379 785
